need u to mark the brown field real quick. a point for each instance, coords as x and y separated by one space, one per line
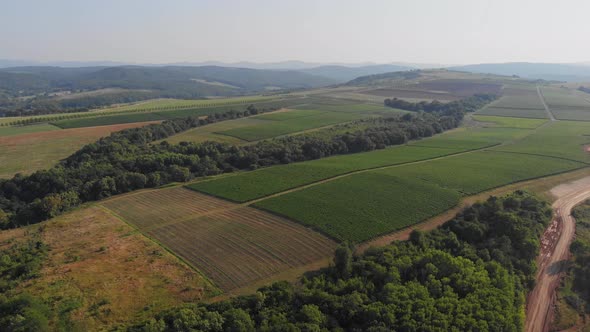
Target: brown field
232 244
100 273
31 152
460 88
411 94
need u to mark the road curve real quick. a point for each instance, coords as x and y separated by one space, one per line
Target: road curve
554 251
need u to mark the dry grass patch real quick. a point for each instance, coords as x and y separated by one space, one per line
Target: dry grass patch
100 273
35 151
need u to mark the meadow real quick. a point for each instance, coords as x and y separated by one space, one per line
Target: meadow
232 245
100 274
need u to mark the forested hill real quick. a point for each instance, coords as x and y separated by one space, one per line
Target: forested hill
32 90
222 80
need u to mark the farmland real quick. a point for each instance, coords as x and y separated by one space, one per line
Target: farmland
507 122
28 152
256 184
293 121
232 245
567 105
359 207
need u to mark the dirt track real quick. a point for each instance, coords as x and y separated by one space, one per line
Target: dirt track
554 253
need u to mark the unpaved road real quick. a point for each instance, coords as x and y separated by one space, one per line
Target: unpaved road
547 110
554 252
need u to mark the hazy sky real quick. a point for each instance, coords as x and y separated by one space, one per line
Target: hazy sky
432 31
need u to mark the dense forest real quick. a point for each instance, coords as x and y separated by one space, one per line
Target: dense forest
127 160
580 269
471 274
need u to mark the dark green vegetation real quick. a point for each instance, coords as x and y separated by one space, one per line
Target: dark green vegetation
20 262
575 291
125 161
102 86
470 274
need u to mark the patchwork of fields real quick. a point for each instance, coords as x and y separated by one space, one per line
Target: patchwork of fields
566 104
232 245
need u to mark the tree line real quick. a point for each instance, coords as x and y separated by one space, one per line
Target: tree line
471 274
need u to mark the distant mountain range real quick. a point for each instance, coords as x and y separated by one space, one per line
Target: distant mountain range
548 71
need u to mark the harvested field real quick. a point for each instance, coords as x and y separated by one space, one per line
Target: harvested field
232 245
460 87
412 94
100 274
31 152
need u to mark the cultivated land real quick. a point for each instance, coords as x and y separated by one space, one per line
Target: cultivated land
29 152
99 273
250 228
232 245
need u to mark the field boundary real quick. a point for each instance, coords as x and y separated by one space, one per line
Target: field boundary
138 231
547 110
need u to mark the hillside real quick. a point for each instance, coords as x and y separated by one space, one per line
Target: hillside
343 73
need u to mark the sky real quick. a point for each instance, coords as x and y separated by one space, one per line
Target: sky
326 31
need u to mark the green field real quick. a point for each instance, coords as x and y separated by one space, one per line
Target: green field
502 121
256 184
362 206
108 120
210 132
156 105
291 123
563 139
517 103
19 130
562 99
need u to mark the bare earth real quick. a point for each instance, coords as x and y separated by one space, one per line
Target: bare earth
554 253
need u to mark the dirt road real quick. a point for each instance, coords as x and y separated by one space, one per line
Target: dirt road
547 110
554 253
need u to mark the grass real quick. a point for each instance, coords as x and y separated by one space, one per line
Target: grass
20 130
108 120
234 246
290 125
27 153
99 274
365 205
362 206
501 121
522 104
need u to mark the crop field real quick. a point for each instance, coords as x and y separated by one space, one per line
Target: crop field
210 132
260 183
361 206
461 87
521 103
232 245
563 139
296 123
507 122
560 99
20 130
350 108
156 105
27 153
365 205
412 94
